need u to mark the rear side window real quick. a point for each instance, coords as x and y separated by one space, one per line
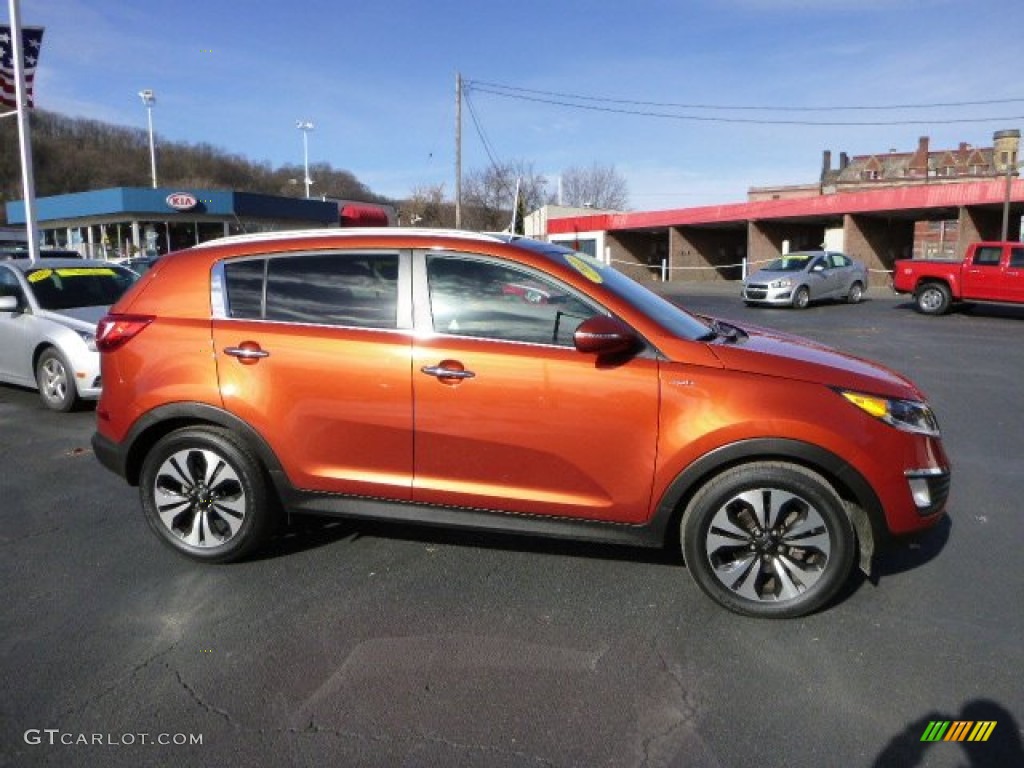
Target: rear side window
359 290
987 257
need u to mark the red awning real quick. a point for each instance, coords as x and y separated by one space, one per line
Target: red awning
363 216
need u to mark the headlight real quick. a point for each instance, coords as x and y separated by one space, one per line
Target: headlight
908 415
89 339
783 283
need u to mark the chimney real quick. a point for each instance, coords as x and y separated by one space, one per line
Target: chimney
844 161
826 163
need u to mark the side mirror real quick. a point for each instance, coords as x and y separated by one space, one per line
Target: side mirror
605 336
8 303
819 267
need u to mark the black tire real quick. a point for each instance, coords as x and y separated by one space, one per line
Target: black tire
801 297
56 381
768 539
855 294
205 495
933 299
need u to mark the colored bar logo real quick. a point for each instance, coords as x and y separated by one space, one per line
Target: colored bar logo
958 730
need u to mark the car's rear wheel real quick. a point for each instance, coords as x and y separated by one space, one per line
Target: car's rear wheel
55 381
801 298
933 299
855 294
768 539
205 495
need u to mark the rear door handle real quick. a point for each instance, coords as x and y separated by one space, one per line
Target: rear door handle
247 352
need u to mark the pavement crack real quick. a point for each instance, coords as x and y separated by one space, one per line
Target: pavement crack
199 699
114 686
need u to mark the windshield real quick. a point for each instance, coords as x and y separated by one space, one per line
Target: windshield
794 262
71 287
676 321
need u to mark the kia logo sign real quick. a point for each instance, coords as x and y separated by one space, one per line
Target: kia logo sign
182 201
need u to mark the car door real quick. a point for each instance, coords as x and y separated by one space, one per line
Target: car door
1014 283
509 415
844 274
820 277
313 351
982 276
15 331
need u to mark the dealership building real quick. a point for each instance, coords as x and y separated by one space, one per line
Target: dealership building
121 221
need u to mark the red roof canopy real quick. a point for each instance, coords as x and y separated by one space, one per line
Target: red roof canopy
353 215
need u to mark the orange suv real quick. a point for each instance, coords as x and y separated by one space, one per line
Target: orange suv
504 384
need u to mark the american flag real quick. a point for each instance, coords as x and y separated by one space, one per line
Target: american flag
32 41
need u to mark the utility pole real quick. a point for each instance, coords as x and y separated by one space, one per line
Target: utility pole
458 150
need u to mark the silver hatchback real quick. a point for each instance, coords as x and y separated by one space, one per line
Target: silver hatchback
797 279
48 315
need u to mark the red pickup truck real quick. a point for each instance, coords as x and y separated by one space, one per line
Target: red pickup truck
989 272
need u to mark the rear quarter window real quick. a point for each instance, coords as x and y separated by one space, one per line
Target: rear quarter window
347 289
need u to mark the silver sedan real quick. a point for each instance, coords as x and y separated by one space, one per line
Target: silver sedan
797 279
48 315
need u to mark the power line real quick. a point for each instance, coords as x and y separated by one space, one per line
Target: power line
558 99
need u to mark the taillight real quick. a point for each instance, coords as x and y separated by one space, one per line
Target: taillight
115 331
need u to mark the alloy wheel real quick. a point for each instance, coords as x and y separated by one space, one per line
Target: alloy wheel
199 497
767 545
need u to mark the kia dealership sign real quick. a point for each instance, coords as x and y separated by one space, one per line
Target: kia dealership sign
182 201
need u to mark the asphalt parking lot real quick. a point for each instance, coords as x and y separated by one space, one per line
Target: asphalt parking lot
366 645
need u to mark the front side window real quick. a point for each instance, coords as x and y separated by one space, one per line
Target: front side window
9 285
359 290
1017 258
470 297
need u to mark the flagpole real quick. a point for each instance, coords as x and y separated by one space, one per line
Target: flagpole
24 136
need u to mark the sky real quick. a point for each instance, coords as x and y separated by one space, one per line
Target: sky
693 102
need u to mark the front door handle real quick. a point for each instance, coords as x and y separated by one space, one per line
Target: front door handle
444 370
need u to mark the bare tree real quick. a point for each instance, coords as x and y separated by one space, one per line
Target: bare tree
427 207
599 186
489 195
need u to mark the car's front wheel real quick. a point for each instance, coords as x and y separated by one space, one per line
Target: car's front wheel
205 495
801 298
768 539
55 381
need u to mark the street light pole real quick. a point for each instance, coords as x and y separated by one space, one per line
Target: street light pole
149 99
305 126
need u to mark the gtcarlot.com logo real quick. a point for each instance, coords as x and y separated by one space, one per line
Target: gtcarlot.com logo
958 730
56 737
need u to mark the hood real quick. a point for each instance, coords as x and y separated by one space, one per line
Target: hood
772 353
77 318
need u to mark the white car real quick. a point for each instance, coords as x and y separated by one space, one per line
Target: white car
48 315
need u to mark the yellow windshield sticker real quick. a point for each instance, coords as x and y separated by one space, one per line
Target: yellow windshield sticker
39 274
85 271
581 265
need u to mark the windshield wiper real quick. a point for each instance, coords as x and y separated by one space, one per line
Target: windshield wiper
728 331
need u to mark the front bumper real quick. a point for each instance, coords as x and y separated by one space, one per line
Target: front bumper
760 293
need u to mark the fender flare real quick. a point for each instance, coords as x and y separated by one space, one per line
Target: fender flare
860 500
